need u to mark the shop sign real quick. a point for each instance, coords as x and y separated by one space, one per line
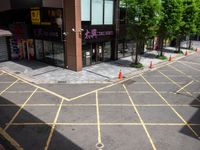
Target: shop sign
35 16
94 34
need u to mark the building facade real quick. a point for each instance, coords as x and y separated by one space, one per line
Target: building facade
66 33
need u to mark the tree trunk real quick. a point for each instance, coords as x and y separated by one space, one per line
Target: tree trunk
190 43
160 45
178 44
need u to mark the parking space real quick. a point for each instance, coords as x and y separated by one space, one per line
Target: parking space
154 110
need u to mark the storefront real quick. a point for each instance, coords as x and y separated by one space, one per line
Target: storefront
4 51
97 44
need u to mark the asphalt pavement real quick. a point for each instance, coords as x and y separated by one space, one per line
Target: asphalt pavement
157 109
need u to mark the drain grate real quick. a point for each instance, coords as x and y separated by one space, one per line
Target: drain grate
61 82
17 72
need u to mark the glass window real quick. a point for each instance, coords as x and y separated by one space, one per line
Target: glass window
86 55
97 12
108 12
39 50
58 54
85 10
107 51
48 52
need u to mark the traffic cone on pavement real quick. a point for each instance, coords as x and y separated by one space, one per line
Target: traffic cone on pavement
120 76
186 53
170 58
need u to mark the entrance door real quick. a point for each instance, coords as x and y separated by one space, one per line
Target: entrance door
97 54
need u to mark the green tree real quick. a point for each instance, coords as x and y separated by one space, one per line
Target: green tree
170 22
143 18
189 17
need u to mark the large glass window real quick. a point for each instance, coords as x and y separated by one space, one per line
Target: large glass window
85 10
39 49
108 12
58 54
48 52
97 12
107 51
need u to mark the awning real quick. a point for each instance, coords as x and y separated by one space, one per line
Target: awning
5 33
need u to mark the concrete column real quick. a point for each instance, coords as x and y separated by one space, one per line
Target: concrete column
73 44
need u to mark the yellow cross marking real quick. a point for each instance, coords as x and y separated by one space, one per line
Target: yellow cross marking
53 126
172 108
141 120
20 109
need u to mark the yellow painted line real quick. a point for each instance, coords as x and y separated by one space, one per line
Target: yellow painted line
185 86
189 66
53 126
104 124
185 122
190 62
178 70
98 120
141 120
9 87
105 87
41 88
21 108
18 92
10 139
187 92
102 105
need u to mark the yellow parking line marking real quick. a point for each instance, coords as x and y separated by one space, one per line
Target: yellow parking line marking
189 62
178 70
187 92
17 113
102 105
104 124
53 126
105 87
141 120
172 108
18 92
9 87
189 66
10 139
98 121
185 86
36 86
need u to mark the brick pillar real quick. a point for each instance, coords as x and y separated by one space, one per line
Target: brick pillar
73 44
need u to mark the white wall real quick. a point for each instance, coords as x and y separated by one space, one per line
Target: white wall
5 5
52 3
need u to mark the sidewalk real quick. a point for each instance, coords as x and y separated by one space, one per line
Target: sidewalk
106 72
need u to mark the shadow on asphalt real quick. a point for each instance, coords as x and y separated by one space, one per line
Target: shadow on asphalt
30 137
194 119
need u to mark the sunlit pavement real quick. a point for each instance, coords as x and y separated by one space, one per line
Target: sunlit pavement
158 109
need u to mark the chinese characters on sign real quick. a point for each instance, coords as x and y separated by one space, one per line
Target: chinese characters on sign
35 16
94 34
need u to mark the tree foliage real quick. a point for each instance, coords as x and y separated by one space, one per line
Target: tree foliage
143 18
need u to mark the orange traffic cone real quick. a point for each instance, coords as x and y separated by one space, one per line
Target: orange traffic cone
151 65
186 53
120 76
170 58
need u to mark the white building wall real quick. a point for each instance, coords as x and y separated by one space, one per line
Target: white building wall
52 3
